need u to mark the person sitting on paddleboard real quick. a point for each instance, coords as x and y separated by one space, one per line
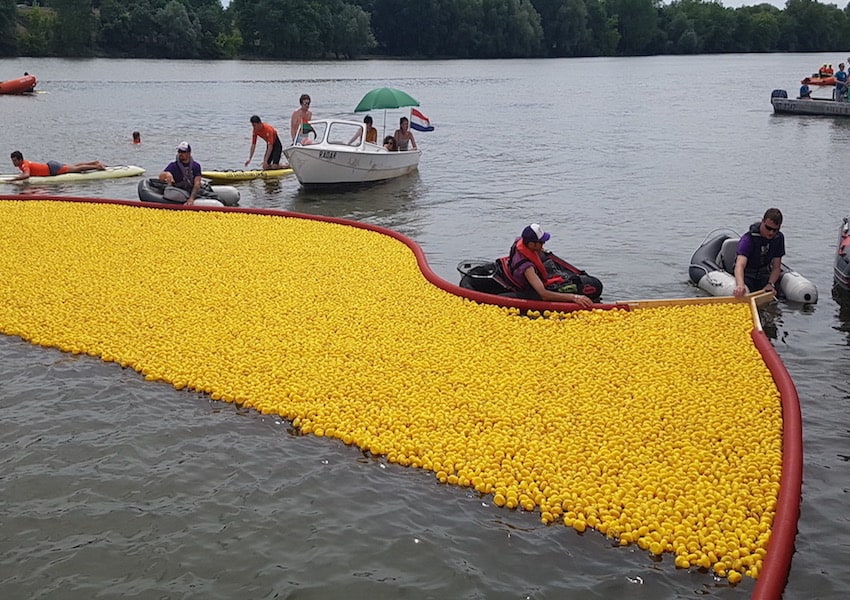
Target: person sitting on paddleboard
33 169
183 177
271 159
527 271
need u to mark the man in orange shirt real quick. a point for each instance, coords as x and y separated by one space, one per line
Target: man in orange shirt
271 159
33 169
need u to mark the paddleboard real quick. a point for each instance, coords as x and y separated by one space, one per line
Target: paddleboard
239 175
108 173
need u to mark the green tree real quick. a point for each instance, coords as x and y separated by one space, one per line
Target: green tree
8 27
565 27
637 22
39 26
766 32
814 27
350 32
75 27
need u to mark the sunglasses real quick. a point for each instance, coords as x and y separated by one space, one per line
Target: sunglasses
182 152
769 228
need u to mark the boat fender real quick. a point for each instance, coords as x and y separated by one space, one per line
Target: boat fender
797 288
717 283
778 94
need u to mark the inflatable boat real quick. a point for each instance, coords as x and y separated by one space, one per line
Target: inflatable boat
489 277
151 190
21 85
841 270
713 264
817 79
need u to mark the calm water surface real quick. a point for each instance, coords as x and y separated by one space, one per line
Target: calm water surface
113 486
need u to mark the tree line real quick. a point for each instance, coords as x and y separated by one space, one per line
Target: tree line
344 29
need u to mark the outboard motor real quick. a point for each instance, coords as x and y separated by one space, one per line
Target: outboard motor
778 94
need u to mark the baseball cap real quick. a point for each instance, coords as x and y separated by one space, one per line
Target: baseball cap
534 233
184 147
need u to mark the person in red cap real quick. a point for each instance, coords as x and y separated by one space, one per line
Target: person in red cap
528 273
183 177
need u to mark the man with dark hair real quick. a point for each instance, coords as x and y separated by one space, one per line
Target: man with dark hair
271 159
183 177
758 265
33 169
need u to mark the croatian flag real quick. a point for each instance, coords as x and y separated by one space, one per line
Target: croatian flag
420 122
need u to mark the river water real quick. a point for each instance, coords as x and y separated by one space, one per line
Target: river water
113 486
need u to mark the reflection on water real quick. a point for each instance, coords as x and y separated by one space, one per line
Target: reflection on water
842 298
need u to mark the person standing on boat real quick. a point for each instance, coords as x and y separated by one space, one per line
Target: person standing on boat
840 84
758 265
403 136
183 177
299 124
528 272
51 167
271 159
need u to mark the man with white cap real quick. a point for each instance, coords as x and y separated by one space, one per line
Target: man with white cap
528 272
183 177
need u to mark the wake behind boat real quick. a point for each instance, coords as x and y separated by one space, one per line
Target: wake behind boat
107 173
713 265
339 154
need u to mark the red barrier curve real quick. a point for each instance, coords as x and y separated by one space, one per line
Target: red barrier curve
777 561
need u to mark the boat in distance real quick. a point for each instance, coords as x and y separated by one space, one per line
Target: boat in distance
21 85
782 104
336 152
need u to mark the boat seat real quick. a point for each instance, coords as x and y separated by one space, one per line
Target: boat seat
728 255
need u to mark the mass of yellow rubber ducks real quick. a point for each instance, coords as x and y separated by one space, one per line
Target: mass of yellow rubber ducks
657 427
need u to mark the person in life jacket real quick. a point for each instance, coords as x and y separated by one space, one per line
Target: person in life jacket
758 265
527 272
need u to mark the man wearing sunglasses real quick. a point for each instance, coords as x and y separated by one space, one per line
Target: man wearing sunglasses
183 177
758 265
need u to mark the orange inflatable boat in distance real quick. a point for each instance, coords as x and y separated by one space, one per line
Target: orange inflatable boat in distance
21 85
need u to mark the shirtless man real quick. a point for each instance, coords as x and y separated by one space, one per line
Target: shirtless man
299 125
33 169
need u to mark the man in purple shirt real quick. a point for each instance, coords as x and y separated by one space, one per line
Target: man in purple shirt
758 265
183 177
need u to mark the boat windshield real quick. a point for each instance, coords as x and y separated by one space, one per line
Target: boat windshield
345 133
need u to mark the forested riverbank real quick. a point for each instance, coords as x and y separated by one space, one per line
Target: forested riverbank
345 29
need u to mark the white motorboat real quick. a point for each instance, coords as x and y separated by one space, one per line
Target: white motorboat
336 152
